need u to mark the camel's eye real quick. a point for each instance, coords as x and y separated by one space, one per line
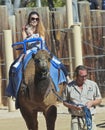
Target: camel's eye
36 61
49 59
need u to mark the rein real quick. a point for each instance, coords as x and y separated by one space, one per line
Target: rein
59 97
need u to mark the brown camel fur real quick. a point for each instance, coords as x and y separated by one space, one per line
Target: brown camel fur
35 94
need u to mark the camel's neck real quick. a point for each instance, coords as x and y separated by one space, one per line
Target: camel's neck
42 86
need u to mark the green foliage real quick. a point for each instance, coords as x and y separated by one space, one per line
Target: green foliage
44 2
57 3
31 4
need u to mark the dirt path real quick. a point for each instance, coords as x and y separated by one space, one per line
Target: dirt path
14 121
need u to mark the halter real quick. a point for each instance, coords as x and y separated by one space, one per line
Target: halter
43 74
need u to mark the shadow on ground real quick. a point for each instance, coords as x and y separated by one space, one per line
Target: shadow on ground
101 125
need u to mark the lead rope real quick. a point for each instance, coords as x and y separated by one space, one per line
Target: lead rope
59 97
79 123
88 118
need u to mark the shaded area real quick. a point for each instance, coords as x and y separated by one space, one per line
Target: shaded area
101 125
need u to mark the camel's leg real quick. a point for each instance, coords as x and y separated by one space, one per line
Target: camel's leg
30 119
50 117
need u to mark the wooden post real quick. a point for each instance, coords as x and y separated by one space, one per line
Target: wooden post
3 24
88 49
77 44
102 74
12 25
9 60
0 94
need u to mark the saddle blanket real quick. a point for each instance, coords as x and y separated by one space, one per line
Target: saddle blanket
15 74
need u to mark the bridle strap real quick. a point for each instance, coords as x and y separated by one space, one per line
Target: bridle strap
59 97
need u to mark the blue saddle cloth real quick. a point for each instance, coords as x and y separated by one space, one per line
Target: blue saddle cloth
15 75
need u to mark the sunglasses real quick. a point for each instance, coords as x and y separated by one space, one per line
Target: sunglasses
32 19
83 76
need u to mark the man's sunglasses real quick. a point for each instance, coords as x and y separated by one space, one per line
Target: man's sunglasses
32 19
83 76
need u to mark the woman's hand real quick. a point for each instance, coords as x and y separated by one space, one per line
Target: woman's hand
24 35
24 28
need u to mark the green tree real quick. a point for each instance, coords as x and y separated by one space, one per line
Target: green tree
13 4
57 3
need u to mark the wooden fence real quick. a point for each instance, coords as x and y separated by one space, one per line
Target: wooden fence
93 38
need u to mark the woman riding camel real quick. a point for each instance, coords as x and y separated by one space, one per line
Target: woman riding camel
35 29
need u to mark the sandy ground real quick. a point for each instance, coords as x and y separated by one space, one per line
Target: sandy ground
14 121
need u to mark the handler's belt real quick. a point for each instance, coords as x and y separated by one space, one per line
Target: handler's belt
83 113
73 116
75 113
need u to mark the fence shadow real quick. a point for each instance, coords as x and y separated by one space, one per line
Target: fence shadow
101 125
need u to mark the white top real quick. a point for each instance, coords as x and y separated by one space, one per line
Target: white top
89 92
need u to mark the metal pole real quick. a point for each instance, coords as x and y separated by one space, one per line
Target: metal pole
69 15
77 44
9 60
38 3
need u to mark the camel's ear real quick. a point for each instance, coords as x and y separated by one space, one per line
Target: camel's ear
49 59
33 55
51 55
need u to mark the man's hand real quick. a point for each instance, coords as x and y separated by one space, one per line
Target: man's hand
72 106
93 103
